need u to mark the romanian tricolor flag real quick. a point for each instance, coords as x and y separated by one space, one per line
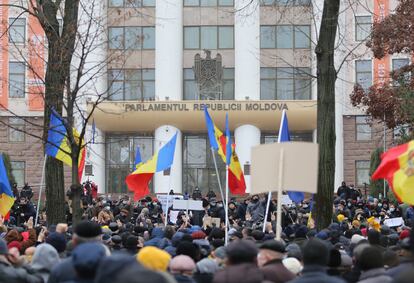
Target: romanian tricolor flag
6 194
218 142
58 145
397 167
138 180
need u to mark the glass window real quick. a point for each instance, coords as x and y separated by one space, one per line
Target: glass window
363 70
148 3
362 172
148 37
191 2
284 36
209 37
225 3
267 37
120 158
226 37
228 84
17 79
302 37
16 129
17 30
363 26
131 84
190 85
116 38
117 3
398 64
285 83
363 129
191 37
208 3
18 170
198 166
133 37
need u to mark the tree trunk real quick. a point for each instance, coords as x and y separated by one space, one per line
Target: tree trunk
55 193
76 187
326 77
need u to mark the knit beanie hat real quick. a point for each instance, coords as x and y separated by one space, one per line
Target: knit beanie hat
154 258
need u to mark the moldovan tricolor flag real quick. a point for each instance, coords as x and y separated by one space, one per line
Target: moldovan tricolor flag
397 167
218 141
57 144
6 194
138 180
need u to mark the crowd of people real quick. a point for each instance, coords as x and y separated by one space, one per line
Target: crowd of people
128 242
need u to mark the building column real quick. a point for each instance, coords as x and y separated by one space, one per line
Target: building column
169 50
95 156
162 183
247 49
246 136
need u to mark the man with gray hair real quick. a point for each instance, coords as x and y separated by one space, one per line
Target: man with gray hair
84 232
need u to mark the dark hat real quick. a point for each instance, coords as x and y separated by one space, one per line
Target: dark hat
315 251
57 240
273 245
113 226
116 239
241 251
3 247
87 229
86 258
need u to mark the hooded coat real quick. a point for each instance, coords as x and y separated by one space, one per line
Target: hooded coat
156 238
44 259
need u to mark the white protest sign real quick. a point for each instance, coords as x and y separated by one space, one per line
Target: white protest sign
173 216
188 204
286 200
163 200
298 169
394 222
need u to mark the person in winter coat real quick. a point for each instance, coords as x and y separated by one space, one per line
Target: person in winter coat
14 235
44 259
157 235
270 258
86 258
182 268
83 232
315 259
372 266
242 264
256 208
205 270
11 274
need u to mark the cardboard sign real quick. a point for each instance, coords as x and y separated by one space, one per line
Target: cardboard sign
163 200
211 221
286 200
187 204
394 222
299 167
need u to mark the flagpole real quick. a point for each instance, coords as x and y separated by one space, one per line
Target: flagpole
269 196
217 174
227 207
279 197
40 189
270 193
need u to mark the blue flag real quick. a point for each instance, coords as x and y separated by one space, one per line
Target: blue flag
6 194
285 137
210 129
138 159
228 141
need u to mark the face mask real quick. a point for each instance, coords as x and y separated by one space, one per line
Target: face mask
220 205
305 206
124 202
349 205
380 205
392 209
